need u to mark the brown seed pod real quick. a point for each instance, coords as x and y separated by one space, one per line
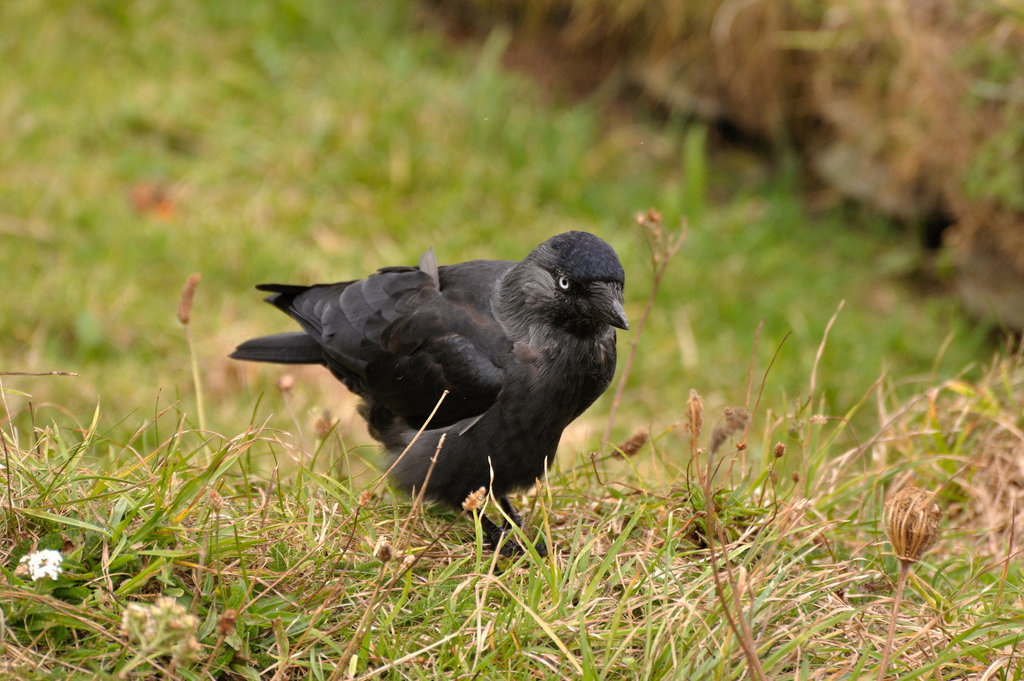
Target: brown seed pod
215 500
285 382
475 499
323 423
188 294
695 406
226 622
734 420
912 522
383 550
634 444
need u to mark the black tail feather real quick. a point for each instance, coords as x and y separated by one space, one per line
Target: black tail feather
281 348
282 295
282 288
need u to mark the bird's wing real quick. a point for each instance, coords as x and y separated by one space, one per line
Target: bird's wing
400 340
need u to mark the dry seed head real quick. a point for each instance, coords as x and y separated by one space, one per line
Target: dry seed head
912 522
633 445
226 622
695 406
475 499
735 420
323 423
215 500
780 450
383 550
188 294
285 382
364 497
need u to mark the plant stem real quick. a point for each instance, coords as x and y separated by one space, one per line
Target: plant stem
900 581
196 383
662 251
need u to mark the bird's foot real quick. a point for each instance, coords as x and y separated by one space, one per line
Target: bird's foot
504 541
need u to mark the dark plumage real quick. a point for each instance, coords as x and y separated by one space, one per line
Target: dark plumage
522 347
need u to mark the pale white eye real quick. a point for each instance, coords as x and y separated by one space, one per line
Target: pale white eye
563 283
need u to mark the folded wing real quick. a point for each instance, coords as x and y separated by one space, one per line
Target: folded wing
399 339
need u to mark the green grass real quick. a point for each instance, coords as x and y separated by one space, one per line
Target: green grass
303 142
309 576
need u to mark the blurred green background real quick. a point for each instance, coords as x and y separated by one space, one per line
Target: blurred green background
315 141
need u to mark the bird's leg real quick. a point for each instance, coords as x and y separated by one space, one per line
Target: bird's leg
494 535
510 511
542 548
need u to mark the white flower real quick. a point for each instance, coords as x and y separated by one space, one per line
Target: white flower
163 628
45 563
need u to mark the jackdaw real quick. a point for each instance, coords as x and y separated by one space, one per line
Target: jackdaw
522 348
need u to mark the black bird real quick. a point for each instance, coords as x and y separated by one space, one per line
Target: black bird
522 348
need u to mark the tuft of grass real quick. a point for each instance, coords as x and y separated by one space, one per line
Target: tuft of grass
666 564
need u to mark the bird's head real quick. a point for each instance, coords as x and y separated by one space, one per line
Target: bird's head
573 281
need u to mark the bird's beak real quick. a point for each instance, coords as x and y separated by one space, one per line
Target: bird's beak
618 316
608 299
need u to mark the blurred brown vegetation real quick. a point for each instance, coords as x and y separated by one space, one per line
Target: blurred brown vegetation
913 106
